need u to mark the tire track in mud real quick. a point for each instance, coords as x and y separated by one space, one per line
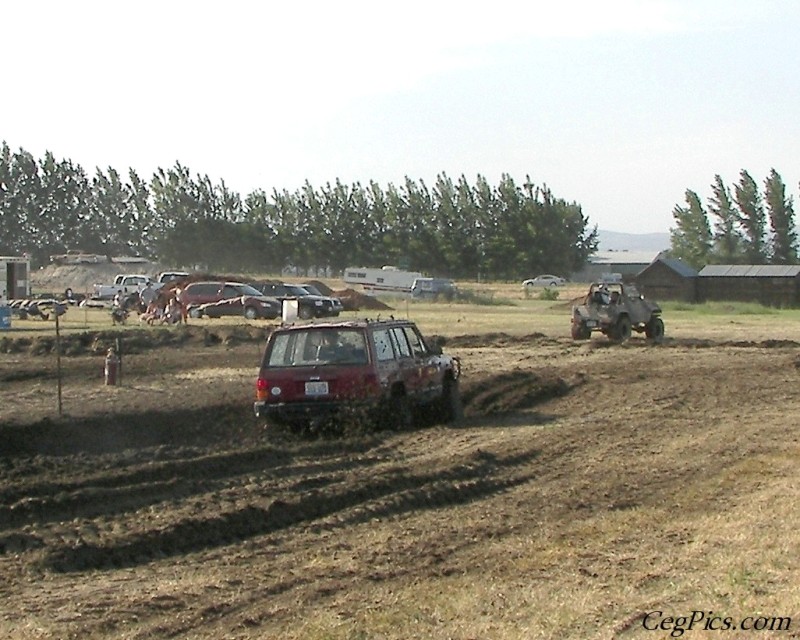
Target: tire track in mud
117 493
339 501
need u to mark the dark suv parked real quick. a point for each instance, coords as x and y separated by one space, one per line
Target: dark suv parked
312 374
309 305
216 299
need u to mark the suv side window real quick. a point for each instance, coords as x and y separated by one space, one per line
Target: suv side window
271 289
383 345
230 292
417 346
202 289
401 343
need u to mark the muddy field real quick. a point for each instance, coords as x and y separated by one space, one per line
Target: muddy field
589 485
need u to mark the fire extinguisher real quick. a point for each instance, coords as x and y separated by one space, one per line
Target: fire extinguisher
112 367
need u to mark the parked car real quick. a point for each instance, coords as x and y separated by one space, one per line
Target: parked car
544 280
202 298
317 373
433 288
250 307
309 304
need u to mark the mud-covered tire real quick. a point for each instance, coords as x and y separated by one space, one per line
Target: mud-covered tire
397 413
655 330
580 331
451 409
622 330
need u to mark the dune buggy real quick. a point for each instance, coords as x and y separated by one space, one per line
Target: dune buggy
616 310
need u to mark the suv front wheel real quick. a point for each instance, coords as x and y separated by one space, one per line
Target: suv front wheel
451 410
251 313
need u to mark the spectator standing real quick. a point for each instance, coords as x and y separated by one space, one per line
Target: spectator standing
147 295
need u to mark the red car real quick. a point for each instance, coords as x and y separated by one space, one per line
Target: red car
314 373
216 299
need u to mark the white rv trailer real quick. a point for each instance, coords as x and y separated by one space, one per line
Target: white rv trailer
386 280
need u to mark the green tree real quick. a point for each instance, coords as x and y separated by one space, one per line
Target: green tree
728 239
113 225
691 235
752 217
781 217
10 222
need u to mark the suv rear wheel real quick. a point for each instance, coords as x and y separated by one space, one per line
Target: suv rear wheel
398 413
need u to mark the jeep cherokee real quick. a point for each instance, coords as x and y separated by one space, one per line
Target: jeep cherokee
317 373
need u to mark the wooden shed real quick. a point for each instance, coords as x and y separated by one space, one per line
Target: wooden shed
668 279
15 277
771 285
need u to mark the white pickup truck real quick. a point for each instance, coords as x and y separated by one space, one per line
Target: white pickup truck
125 282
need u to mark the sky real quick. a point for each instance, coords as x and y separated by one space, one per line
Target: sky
618 105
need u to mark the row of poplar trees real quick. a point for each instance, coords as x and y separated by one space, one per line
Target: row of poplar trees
453 228
738 226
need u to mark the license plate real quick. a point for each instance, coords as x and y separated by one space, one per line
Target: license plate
316 388
591 323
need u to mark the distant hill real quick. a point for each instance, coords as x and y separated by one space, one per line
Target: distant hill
617 241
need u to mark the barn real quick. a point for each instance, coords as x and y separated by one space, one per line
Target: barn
668 279
771 285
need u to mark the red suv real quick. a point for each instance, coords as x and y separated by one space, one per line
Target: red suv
313 373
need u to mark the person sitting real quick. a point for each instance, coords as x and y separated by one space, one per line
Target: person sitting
173 314
154 313
600 296
330 349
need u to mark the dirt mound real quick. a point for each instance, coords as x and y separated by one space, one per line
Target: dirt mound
57 278
352 300
512 391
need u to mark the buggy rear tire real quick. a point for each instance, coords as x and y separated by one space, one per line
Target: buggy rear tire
655 330
580 331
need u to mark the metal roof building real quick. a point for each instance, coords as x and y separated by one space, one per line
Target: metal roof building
750 271
769 284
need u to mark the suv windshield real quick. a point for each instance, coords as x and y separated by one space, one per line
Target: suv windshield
318 346
312 290
296 290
